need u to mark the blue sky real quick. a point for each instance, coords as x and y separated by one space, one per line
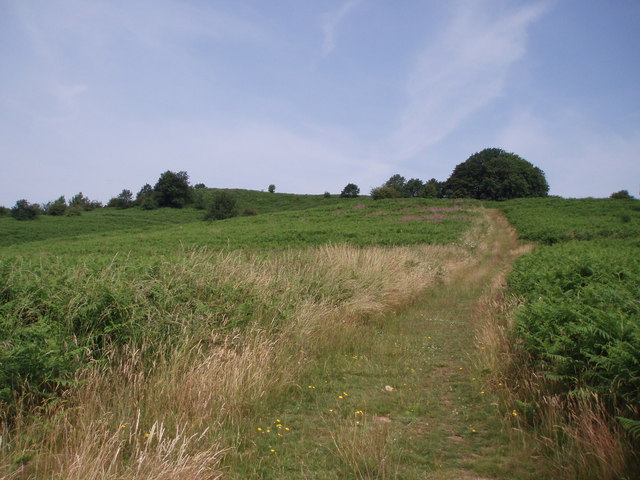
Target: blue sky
101 95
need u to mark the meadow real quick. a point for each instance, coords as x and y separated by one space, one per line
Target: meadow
152 344
104 312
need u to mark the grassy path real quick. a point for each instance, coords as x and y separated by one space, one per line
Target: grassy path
405 399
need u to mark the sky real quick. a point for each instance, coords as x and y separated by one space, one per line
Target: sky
97 96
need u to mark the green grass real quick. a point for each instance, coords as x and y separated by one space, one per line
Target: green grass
438 420
166 231
100 277
553 220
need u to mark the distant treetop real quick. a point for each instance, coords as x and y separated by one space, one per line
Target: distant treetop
494 174
351 190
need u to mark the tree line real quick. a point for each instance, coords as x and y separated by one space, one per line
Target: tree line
491 174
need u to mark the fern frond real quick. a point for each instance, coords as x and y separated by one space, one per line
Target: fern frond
631 426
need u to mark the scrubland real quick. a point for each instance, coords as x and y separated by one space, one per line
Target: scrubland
161 346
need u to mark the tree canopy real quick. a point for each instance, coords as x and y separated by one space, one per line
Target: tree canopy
351 190
172 189
24 210
494 174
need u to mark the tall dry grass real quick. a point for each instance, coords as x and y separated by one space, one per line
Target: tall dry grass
179 409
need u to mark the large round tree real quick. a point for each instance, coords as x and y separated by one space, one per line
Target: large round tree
494 174
172 189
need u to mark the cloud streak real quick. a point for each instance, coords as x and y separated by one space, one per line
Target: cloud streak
463 69
330 23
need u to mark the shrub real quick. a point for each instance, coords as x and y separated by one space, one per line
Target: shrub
123 200
621 195
223 206
56 208
249 212
73 212
82 202
23 210
379 193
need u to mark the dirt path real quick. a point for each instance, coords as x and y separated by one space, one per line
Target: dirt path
411 402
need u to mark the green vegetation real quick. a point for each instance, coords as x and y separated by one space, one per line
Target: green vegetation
351 190
95 278
494 174
23 210
579 326
126 334
552 220
222 207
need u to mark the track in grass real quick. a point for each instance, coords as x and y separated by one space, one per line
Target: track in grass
405 399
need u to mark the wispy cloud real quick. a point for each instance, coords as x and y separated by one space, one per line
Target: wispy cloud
330 23
462 70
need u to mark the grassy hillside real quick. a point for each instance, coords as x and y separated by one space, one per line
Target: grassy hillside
100 283
253 303
136 232
105 220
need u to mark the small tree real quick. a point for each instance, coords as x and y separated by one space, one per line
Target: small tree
145 191
56 208
173 190
272 188
123 200
223 206
396 181
23 210
621 195
4 212
83 203
351 190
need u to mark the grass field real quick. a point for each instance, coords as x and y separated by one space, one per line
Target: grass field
152 344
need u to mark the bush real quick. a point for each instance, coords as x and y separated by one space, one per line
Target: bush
4 212
73 212
379 193
202 198
56 208
123 200
272 188
249 212
23 210
223 206
621 195
82 202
